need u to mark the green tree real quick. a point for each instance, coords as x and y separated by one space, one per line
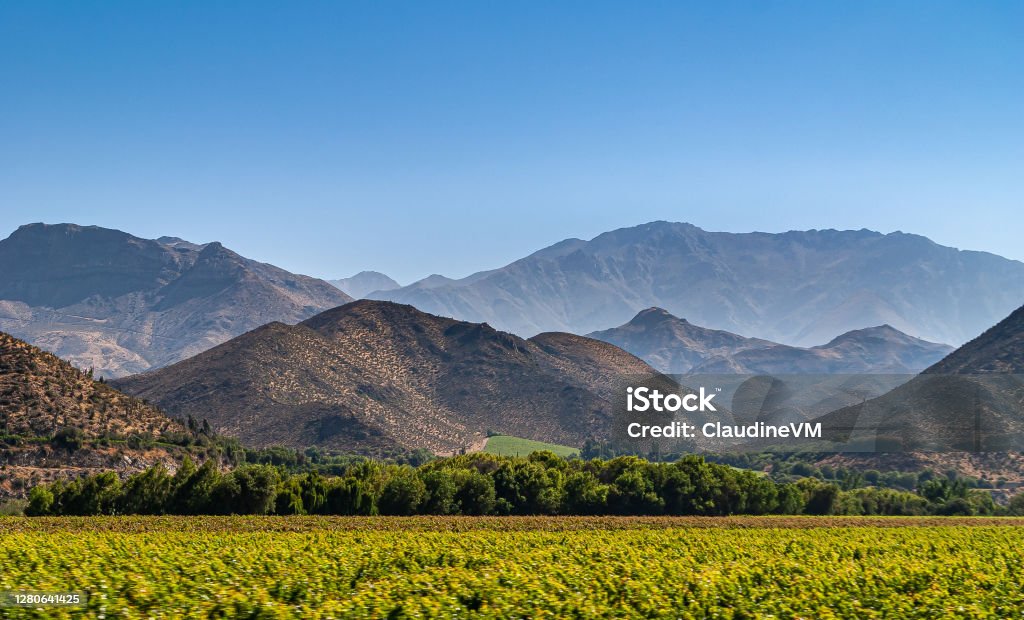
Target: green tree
585 495
258 487
193 488
475 492
402 493
40 501
819 497
288 500
441 489
1016 505
147 492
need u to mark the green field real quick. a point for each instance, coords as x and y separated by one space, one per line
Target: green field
443 567
507 445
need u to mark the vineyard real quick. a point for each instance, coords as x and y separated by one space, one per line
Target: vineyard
596 567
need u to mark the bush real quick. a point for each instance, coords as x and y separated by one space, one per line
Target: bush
70 439
40 502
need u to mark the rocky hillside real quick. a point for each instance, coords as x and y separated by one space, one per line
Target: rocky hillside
41 394
118 304
376 375
52 414
798 288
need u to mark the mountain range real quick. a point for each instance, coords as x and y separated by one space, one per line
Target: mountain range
674 345
274 358
107 300
376 376
799 288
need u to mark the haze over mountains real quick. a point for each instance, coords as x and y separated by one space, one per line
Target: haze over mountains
674 345
376 376
800 288
107 300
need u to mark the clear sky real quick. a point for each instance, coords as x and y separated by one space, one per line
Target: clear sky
421 137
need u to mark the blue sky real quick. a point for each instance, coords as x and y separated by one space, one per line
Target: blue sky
422 137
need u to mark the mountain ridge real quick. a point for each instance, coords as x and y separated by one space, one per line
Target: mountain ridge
999 349
798 288
120 304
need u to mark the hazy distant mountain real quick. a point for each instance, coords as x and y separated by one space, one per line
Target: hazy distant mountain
799 288
364 282
375 376
971 400
104 299
674 345
873 350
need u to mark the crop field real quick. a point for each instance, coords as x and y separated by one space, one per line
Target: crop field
507 445
438 567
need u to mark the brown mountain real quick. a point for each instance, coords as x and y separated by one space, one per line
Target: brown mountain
375 376
973 400
674 345
107 300
42 396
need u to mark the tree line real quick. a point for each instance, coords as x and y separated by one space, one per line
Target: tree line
485 484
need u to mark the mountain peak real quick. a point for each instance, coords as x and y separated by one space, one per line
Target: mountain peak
364 283
365 308
37 227
41 229
655 314
674 345
214 247
60 265
884 332
374 375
